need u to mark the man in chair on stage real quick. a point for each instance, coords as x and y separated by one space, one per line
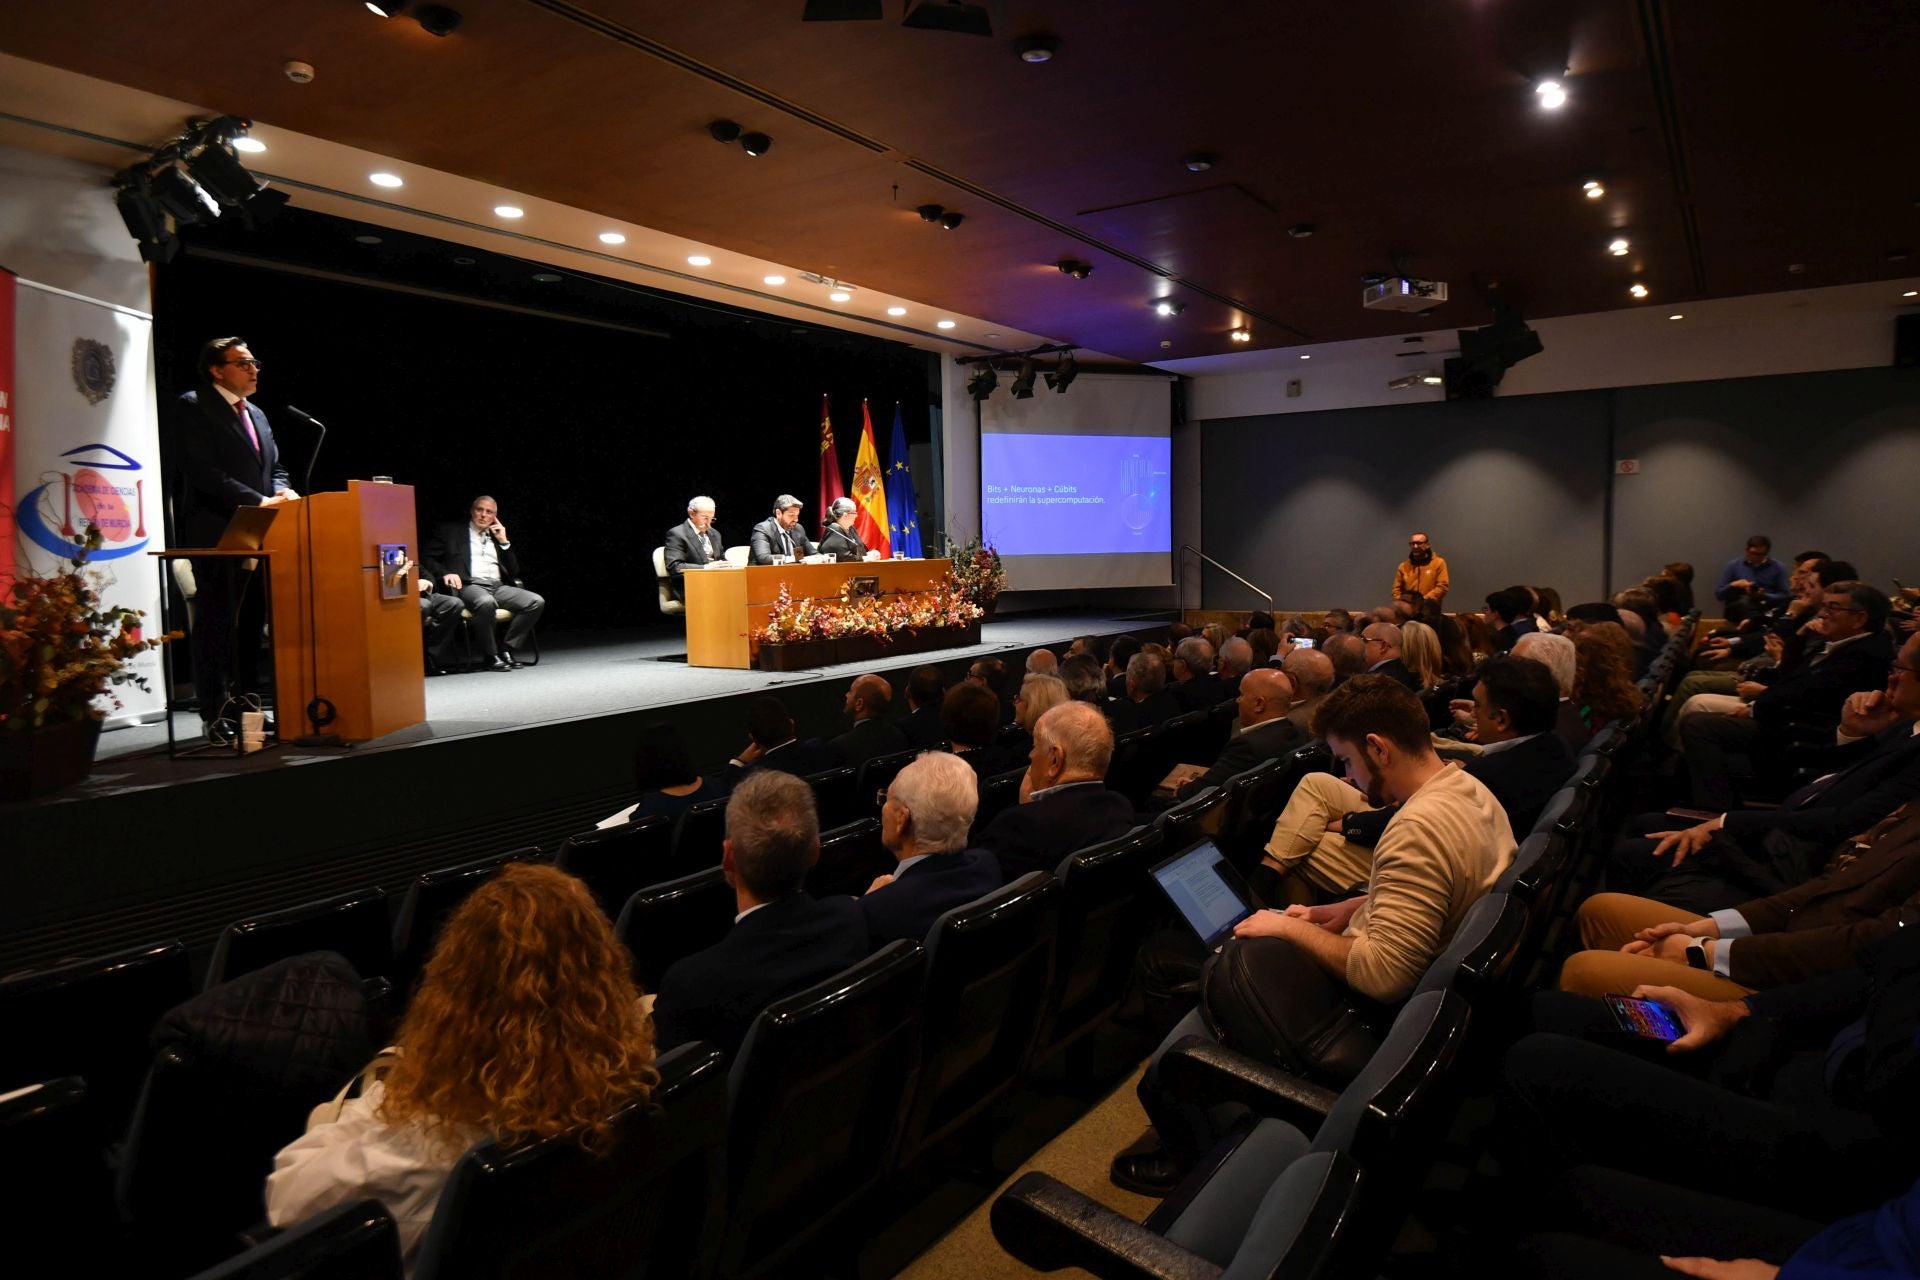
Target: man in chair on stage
694 544
780 533
475 560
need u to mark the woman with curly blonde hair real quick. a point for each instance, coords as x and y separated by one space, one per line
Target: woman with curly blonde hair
526 1025
1603 686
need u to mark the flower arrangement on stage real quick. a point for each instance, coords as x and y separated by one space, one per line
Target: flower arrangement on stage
60 648
977 571
880 618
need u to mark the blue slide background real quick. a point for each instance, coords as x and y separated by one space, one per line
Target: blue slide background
1098 495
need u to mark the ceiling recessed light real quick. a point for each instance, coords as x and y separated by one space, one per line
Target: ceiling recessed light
1168 306
773 280
612 237
546 277
1240 335
1911 293
1552 94
463 262
1036 49
896 311
839 295
1165 343
1618 247
1199 161
989 335
509 211
1306 357
1678 315
367 239
384 179
943 324
1432 379
699 260
1638 291
252 146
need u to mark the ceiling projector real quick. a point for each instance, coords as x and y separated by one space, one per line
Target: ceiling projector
1402 293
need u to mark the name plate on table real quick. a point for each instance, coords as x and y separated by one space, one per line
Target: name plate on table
394 578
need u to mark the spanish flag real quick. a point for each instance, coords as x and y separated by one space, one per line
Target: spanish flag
870 490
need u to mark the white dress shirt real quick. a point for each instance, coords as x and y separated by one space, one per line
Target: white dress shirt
483 556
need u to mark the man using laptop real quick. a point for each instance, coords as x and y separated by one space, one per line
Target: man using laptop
223 458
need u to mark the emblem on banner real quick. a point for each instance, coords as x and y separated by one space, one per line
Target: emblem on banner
867 480
67 501
92 369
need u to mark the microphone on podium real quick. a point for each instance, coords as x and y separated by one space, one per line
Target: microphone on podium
306 479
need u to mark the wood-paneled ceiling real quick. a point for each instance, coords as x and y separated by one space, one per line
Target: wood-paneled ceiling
1744 147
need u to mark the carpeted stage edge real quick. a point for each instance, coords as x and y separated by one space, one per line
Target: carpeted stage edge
150 848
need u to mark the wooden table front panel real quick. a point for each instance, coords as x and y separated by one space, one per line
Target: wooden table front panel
725 605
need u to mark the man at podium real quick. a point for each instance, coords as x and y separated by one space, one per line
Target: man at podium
224 459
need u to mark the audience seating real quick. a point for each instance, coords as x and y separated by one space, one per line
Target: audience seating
819 1096
697 836
1193 819
998 794
851 857
429 900
355 1241
1130 772
836 796
354 924
1104 913
988 965
60 1190
876 775
662 923
616 862
652 1201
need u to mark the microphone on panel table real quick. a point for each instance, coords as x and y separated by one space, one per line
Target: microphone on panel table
306 479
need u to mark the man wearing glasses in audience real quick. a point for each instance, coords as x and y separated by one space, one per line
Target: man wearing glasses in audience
1422 576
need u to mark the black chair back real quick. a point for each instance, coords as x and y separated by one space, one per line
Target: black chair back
429 900
92 1019
697 836
836 796
1130 771
355 1241
353 924
819 1100
1194 818
850 857
1181 740
998 794
1482 951
988 965
876 773
1535 867
1106 907
650 1202
617 862
60 1193
666 922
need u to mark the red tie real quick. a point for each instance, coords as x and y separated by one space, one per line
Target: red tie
240 406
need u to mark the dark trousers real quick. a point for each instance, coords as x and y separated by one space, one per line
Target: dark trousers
229 615
1712 743
1701 883
441 616
483 599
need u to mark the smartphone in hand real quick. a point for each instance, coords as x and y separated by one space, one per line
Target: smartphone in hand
1648 1019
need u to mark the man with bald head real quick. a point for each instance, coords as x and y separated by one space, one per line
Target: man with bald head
1042 662
1265 698
1382 640
1348 653
1311 673
872 733
1065 805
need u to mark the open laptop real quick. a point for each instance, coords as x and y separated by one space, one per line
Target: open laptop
247 529
1206 890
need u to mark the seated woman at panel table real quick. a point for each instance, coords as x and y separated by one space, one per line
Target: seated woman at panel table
526 1025
838 539
663 777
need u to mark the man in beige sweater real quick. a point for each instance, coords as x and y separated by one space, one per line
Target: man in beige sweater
1442 851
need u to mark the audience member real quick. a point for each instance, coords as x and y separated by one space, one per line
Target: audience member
1236 659
1264 646
1382 641
1548 607
925 691
1094 647
1753 582
1176 632
1148 705
1603 687
970 716
991 674
1038 695
1336 620
1651 635
1310 672
1081 675
1264 699
663 777
771 744
1510 614
526 1025
1582 616
1348 654
924 824
1118 656
1214 634
868 698
782 940
1456 655
1196 687
1682 574
1260 620
1042 662
1065 805
1420 653
1560 656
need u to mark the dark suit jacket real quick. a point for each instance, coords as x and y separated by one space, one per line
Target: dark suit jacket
1035 836
1817 688
1524 777
1395 668
1263 742
1230 687
782 947
843 544
216 470
765 541
993 759
682 545
869 738
449 550
801 757
1569 727
908 907
1878 777
923 728
1202 693
1152 712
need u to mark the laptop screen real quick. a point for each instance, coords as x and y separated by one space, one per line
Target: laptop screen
1205 889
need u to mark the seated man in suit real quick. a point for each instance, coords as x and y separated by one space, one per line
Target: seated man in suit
1043 662
1065 805
991 674
1510 613
693 544
1558 655
1236 657
440 614
872 734
839 539
1119 654
780 533
782 940
771 745
925 691
1382 640
1084 680
1348 653
477 562
1195 686
1311 674
929 809
1148 703
1265 697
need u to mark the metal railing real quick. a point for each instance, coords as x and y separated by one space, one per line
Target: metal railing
1187 546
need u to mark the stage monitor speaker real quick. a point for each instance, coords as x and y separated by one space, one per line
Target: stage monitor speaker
1906 341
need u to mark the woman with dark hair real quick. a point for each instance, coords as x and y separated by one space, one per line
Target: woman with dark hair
1666 599
1456 653
1265 643
527 1025
1603 687
663 777
1550 606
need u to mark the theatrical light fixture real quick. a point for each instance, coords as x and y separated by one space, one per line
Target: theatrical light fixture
1022 385
1168 306
1061 376
1618 247
388 180
896 311
952 220
1240 335
1911 293
1593 189
1432 379
509 211
775 281
437 19
949 15
755 144
1638 291
147 224
1036 49
930 212
699 260
1074 267
252 146
185 200
724 131
943 324
839 295
1552 94
612 237
983 381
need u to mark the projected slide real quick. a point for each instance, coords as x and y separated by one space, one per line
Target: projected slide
1049 495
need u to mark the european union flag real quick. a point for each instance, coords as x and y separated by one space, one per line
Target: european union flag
903 513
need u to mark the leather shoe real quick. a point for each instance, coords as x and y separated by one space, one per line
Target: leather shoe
435 669
1148 1173
508 657
498 664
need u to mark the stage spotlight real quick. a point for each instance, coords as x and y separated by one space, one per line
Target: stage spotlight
1022 386
1240 335
224 177
181 196
1551 93
983 381
756 144
147 224
952 220
438 20
724 131
950 15
387 8
1061 376
1168 306
1074 267
930 212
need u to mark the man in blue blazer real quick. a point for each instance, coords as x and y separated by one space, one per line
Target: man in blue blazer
224 458
782 940
929 809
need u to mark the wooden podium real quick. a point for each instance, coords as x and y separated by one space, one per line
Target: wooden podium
724 605
345 628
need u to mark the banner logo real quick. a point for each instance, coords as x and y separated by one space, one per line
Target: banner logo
93 372
60 510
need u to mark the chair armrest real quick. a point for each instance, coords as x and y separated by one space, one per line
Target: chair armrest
1047 1224
1205 1073
258 1234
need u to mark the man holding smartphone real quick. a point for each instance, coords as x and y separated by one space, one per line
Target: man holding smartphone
475 560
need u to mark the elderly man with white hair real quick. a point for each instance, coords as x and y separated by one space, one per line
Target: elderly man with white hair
693 545
1236 659
1557 654
1065 805
1195 686
924 823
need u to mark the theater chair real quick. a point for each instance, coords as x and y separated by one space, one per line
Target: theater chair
697 836
616 862
820 1095
429 900
1106 906
355 1241
668 605
665 922
651 1202
1193 819
877 774
836 796
59 1189
1131 771
997 794
501 616
353 924
851 856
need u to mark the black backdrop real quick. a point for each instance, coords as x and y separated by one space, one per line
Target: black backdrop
590 438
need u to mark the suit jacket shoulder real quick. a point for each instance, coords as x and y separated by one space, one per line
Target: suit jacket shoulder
909 906
1038 835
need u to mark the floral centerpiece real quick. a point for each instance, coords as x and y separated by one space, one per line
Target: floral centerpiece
978 573
857 626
